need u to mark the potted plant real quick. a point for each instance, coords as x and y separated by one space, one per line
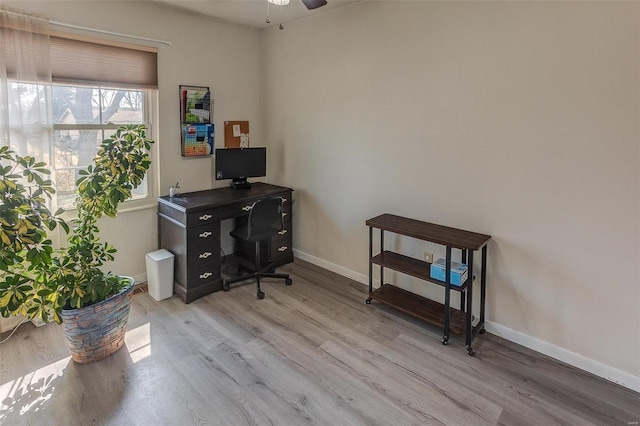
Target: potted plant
68 285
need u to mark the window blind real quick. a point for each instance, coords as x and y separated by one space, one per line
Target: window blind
88 62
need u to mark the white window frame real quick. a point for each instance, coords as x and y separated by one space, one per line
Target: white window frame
150 106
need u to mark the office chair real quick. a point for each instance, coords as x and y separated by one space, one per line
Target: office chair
265 221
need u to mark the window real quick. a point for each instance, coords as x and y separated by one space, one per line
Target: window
62 94
85 115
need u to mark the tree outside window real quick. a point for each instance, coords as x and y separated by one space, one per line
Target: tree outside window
84 116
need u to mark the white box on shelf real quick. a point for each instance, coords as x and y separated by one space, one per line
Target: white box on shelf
458 273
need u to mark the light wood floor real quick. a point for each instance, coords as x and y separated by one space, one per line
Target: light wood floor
312 353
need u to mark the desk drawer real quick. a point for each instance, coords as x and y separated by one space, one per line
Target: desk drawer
235 210
203 274
286 213
281 245
243 209
203 236
199 257
203 217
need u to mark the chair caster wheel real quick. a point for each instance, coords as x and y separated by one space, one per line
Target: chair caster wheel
368 301
288 281
260 295
445 340
470 350
482 330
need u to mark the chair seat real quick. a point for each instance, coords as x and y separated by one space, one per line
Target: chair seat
263 218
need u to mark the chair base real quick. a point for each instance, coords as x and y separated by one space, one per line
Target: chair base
263 273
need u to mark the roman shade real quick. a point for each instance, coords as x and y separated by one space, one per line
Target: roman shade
81 62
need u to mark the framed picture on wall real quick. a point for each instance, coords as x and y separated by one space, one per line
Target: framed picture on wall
196 126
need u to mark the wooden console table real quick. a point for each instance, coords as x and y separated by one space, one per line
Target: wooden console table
450 319
189 227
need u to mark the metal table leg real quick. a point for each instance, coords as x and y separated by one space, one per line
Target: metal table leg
370 264
483 291
381 250
469 327
447 296
463 294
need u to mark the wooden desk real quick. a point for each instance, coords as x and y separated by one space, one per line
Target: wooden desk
450 319
189 227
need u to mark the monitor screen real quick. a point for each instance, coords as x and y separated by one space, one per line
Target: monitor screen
238 164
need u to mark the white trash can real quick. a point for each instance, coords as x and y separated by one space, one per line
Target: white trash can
160 274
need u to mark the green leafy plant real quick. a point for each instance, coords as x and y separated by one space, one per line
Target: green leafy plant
37 281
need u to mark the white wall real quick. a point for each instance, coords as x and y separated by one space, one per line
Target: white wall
204 51
515 119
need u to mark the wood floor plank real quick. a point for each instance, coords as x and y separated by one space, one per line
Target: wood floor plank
311 353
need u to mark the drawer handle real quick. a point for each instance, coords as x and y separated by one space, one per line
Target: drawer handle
284 231
205 234
205 275
247 208
205 255
284 214
283 248
205 217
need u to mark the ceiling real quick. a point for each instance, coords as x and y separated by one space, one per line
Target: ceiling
253 13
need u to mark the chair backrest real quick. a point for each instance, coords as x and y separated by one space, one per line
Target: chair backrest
265 218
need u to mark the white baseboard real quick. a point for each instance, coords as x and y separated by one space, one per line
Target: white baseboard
561 354
361 278
579 361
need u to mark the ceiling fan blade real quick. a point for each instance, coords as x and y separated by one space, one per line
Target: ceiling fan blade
314 4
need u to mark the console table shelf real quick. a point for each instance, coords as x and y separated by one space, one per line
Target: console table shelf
442 315
411 266
418 307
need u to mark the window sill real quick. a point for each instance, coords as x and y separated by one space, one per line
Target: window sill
126 207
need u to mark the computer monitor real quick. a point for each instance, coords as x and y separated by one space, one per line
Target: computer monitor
238 164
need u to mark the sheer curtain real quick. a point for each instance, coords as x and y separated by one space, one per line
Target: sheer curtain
26 123
25 94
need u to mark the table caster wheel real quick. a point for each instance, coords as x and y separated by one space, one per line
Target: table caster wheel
445 340
225 287
288 281
470 350
368 301
260 295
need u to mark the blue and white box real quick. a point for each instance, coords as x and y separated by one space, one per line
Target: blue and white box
458 273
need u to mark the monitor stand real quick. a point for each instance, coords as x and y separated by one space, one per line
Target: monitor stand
240 184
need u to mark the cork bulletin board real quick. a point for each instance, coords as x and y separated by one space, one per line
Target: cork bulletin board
236 134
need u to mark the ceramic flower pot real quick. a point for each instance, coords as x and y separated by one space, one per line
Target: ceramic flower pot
96 332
